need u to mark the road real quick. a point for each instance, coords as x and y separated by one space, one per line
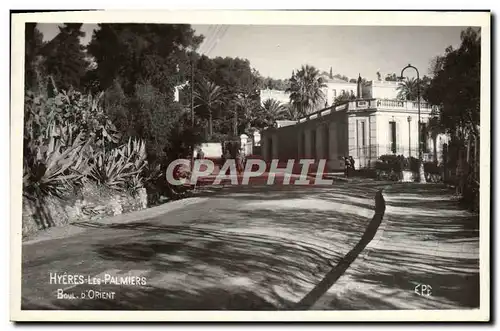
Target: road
264 248
239 248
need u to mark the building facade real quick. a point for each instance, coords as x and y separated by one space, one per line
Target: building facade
337 87
363 128
280 96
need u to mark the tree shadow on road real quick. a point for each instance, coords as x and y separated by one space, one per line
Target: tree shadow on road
208 269
435 243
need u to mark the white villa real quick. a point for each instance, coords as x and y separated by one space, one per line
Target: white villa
373 124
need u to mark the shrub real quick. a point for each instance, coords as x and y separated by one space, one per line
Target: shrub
390 163
69 139
432 168
50 170
120 168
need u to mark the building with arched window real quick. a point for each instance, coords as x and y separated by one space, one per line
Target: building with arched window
374 123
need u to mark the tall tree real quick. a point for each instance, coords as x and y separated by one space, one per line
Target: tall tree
33 66
65 57
343 97
391 77
305 90
331 73
291 112
341 77
455 90
143 63
239 82
407 90
273 110
246 113
455 87
208 96
134 53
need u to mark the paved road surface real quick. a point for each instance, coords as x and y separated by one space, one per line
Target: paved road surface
240 248
262 248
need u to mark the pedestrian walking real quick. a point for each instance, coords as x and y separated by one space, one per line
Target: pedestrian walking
200 155
227 157
239 163
347 165
351 163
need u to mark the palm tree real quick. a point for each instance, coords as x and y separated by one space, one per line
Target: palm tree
208 95
306 89
274 109
407 90
291 112
247 111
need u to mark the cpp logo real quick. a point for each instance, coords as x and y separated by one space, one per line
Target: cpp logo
423 290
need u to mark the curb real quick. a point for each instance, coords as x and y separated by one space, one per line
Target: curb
61 232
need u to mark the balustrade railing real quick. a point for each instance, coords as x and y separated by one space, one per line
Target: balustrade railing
400 104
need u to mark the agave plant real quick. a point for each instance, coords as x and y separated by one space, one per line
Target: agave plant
51 170
118 167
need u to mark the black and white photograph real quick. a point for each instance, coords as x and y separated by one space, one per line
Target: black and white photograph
250 163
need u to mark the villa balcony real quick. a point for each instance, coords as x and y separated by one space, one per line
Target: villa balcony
385 104
371 104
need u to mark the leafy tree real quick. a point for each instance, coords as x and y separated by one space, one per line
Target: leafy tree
273 110
379 76
246 113
341 77
116 104
291 112
65 58
274 84
138 65
391 78
208 95
306 90
135 53
238 82
455 87
33 63
353 80
343 97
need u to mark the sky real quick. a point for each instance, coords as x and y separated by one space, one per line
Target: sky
349 50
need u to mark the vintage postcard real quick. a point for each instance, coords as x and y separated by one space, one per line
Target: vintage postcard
250 166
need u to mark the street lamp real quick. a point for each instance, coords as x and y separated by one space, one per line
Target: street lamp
192 109
421 164
409 136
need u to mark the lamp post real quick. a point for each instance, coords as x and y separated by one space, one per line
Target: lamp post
192 110
409 136
421 164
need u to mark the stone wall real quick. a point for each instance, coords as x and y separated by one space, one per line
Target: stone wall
90 203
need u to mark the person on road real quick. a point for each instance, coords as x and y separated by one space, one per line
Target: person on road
347 166
200 155
227 157
239 162
351 163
